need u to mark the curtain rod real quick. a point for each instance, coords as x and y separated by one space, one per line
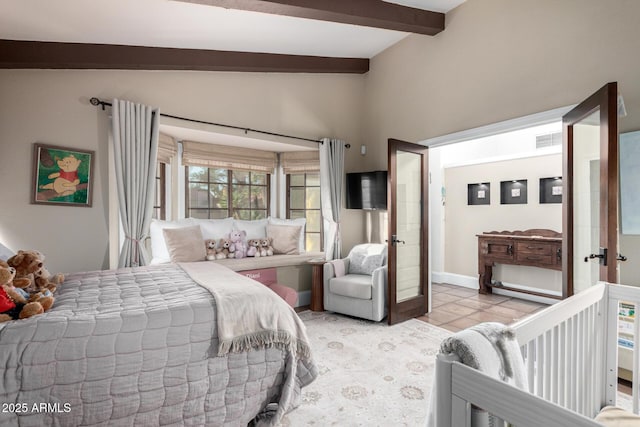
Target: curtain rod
103 104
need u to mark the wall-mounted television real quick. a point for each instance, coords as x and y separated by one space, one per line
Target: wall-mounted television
367 190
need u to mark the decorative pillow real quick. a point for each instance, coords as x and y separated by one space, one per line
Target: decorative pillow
363 263
256 229
298 222
185 244
214 229
285 238
159 250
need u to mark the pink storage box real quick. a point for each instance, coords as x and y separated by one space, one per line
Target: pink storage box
269 278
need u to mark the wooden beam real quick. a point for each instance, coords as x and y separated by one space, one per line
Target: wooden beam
54 55
366 13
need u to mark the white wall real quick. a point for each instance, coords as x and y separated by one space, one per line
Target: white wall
51 106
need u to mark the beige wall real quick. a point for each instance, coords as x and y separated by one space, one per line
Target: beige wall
464 222
502 59
52 107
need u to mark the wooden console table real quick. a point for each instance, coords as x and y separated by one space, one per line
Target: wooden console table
536 248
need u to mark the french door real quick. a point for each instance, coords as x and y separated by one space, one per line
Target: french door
590 205
408 233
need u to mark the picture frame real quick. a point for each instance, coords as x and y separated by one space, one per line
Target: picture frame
479 194
62 176
513 192
551 190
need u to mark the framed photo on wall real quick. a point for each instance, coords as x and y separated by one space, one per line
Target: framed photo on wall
62 176
479 194
513 192
551 190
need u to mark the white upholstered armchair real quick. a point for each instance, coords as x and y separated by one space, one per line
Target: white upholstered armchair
357 285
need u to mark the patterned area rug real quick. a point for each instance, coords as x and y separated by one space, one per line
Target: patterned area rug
370 373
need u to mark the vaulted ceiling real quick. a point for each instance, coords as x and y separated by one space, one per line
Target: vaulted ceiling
221 35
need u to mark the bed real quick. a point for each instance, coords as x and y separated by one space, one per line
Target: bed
570 355
151 346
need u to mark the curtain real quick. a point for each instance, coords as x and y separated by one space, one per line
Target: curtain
135 147
331 185
166 148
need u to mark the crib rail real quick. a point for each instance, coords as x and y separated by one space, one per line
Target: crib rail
571 349
571 356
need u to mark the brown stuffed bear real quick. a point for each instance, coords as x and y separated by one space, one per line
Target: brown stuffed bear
265 247
26 264
254 248
224 249
44 280
13 301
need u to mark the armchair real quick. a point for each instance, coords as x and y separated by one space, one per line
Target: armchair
361 290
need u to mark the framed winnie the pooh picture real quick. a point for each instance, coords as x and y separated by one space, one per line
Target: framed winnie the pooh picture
62 176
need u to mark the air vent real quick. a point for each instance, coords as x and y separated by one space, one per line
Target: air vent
548 140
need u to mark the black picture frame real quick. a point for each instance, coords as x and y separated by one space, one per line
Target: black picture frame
479 194
513 192
551 190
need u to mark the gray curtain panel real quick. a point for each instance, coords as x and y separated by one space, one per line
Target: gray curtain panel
135 147
331 194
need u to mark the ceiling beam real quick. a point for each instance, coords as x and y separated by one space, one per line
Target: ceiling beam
54 55
367 13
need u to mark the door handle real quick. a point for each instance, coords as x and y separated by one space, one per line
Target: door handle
621 257
394 240
602 256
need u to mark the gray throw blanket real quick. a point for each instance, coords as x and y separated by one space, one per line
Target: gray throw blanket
249 314
492 349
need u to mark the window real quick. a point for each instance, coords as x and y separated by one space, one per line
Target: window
160 202
303 201
220 193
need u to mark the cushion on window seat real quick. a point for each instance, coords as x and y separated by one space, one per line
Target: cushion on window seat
612 416
352 286
250 263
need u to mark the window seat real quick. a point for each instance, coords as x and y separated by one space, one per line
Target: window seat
251 263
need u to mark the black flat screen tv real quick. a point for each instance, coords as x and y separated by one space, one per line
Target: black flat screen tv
367 190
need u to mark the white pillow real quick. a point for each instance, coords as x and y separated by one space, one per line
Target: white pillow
256 229
298 222
159 250
214 228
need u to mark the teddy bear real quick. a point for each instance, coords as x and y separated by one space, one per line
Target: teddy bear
254 248
45 280
13 301
224 249
238 243
265 247
26 264
210 244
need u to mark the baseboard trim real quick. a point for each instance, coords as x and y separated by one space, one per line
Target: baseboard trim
304 298
455 279
472 283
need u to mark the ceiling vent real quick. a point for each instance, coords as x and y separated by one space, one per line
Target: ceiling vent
548 140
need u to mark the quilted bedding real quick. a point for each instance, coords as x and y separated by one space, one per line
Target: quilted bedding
133 347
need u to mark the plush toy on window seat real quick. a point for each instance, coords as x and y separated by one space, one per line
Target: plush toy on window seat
254 248
238 243
224 249
265 247
26 264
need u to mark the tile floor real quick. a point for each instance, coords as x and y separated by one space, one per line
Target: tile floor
456 308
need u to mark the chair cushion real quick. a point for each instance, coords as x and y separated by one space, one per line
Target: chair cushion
365 258
351 285
612 416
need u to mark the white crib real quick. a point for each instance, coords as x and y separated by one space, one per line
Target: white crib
570 351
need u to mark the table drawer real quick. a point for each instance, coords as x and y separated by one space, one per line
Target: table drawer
534 248
532 258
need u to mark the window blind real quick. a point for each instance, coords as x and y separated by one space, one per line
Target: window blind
300 161
166 148
227 157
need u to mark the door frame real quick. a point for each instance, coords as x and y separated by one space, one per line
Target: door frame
606 100
419 305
